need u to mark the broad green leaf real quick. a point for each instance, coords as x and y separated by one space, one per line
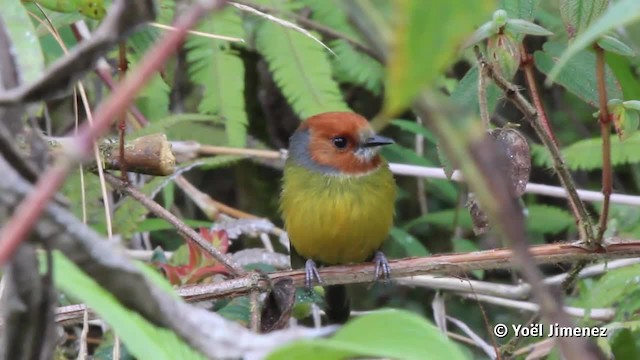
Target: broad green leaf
162 125
580 77
523 27
579 14
391 334
623 70
624 345
301 70
143 339
24 43
408 242
520 9
417 59
465 94
621 289
619 14
220 72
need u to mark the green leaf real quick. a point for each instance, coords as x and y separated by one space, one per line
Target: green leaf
519 26
349 65
162 125
621 289
220 72
465 94
153 99
632 105
300 68
143 339
416 60
624 345
580 77
414 128
619 14
408 242
623 70
24 45
520 9
388 333
545 219
579 14
587 154
611 44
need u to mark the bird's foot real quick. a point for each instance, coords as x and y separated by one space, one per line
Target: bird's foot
383 271
310 274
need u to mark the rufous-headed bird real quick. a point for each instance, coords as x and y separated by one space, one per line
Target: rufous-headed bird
337 199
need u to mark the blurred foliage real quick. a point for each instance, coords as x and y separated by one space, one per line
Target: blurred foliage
253 93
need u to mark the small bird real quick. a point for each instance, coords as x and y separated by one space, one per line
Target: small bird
338 199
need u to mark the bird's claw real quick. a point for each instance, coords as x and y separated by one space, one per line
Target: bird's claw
383 271
310 274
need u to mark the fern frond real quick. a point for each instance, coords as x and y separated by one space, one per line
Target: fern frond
217 68
587 154
301 70
349 65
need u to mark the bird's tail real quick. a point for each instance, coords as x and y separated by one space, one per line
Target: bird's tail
338 304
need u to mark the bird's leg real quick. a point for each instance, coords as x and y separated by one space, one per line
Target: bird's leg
310 274
383 271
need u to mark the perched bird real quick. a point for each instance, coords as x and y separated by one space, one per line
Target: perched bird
337 199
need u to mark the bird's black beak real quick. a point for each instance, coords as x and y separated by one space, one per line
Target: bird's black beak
377 140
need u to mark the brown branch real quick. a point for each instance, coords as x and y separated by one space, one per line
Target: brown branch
32 206
183 228
513 94
605 129
441 264
149 154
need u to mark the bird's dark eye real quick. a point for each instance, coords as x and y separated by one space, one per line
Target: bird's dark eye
340 142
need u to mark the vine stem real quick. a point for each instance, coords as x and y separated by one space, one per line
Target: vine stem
605 129
512 93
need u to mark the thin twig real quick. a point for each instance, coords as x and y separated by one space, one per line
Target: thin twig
254 298
513 94
482 97
605 129
163 213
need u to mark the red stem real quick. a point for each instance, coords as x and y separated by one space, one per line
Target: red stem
27 213
605 130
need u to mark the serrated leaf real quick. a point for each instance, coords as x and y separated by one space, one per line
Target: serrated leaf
24 44
143 339
611 44
619 14
580 77
349 65
587 154
368 336
579 14
415 60
301 70
220 72
519 26
620 286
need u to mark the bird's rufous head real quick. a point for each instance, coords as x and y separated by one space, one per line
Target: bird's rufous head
338 143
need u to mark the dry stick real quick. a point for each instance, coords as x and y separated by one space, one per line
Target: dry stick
605 129
31 207
254 298
513 94
163 213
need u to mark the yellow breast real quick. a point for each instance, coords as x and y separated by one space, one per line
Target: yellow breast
337 219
